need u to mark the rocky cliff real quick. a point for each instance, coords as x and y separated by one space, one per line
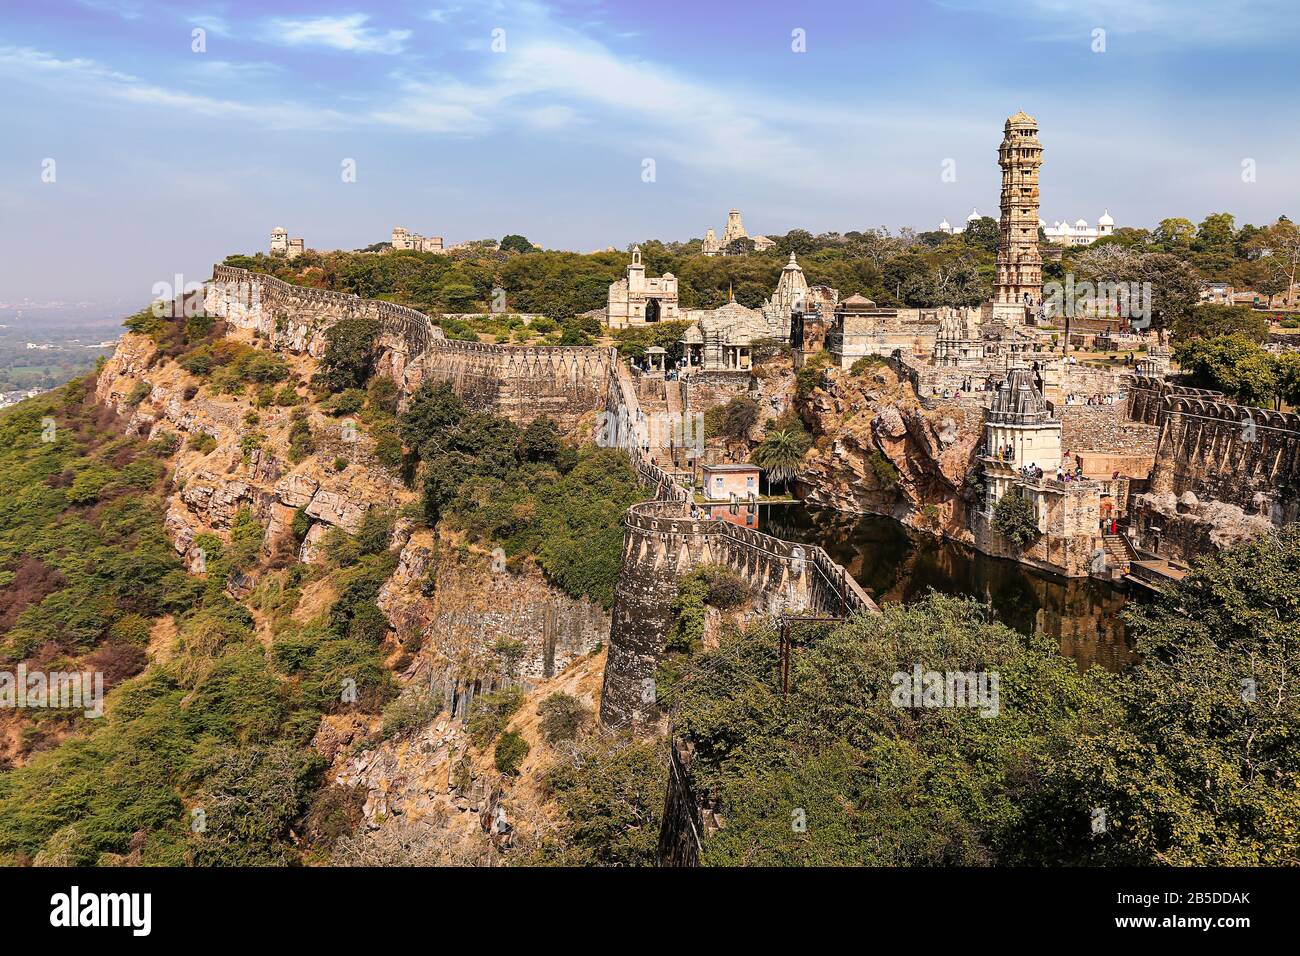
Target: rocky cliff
463 621
877 451
335 485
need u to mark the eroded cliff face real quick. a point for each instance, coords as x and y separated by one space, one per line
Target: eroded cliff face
877 451
212 485
463 621
433 798
458 606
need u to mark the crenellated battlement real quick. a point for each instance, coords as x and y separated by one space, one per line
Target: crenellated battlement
662 542
517 382
295 317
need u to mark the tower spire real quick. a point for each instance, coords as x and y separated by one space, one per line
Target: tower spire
1020 265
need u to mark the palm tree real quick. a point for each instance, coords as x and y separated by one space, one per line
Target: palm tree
780 454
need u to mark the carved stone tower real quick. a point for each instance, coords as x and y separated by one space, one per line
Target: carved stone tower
1020 267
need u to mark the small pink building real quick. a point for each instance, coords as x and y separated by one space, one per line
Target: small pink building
721 481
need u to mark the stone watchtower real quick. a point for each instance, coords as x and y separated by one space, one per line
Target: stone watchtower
1020 266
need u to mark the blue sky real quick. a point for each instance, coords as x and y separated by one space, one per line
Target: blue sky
168 159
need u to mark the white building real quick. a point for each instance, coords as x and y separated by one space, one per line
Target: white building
952 230
1063 233
640 300
1080 233
713 246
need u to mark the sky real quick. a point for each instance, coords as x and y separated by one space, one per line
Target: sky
134 149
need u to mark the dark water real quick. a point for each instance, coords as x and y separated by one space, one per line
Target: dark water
895 564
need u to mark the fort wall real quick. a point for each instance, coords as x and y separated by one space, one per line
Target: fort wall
1108 428
661 546
662 542
1223 472
520 383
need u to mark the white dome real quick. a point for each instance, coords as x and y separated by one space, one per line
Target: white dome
974 216
1082 224
1105 219
945 226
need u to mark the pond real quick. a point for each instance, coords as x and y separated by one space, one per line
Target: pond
895 564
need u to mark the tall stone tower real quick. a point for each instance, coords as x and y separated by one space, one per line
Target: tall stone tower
1020 267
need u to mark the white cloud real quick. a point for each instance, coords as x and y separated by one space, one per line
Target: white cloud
211 23
86 77
225 71
348 32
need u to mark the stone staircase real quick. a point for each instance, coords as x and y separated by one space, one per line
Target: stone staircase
1119 552
675 399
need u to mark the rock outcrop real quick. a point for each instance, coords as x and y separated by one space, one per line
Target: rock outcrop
878 451
212 483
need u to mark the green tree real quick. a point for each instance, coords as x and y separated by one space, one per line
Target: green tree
1232 364
540 440
510 752
562 716
1175 233
351 349
434 410
849 768
1288 378
516 243
781 453
1208 320
1278 250
732 420
983 234
610 794
1203 770
1216 231
1014 519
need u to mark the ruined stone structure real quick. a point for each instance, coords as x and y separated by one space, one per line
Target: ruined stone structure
862 328
734 230
1020 266
401 239
959 342
638 300
1223 472
519 383
721 340
282 244
792 295
293 316
522 383
662 543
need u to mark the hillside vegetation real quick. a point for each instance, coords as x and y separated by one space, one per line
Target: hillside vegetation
1184 759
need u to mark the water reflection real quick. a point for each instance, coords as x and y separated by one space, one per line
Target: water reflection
894 564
